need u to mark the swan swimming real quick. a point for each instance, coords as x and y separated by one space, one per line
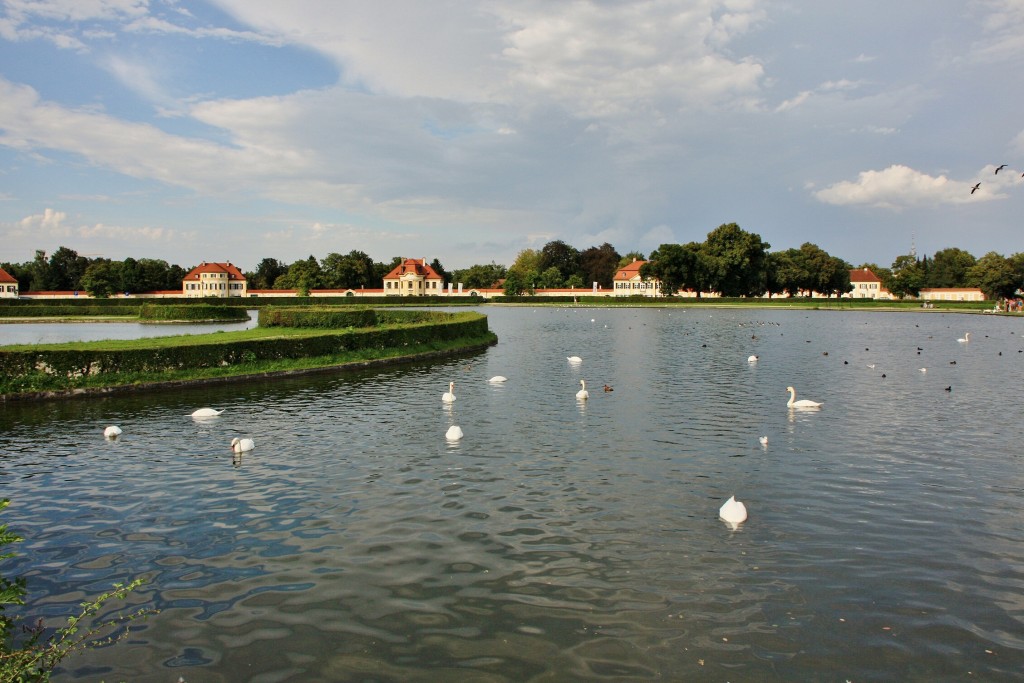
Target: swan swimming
206 412
802 403
752 359
497 379
966 338
733 511
449 395
454 433
763 440
583 394
112 432
242 445
574 359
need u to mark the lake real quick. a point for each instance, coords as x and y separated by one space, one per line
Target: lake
559 540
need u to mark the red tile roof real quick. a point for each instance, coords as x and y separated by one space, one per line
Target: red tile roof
863 275
204 267
629 271
6 277
414 265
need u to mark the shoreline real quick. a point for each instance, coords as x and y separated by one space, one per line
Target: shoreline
348 366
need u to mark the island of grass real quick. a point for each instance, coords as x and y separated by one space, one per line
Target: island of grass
287 341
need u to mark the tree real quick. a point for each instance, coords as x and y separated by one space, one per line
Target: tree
66 269
949 268
102 278
907 276
598 264
439 269
678 266
526 260
630 257
302 276
995 276
560 255
351 271
736 260
480 276
790 274
40 273
266 273
549 279
514 284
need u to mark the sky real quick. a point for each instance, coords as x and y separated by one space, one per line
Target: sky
470 130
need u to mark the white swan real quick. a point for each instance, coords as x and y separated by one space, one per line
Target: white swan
454 433
497 379
763 440
449 395
733 511
966 338
242 445
583 394
574 359
206 412
112 432
802 403
751 359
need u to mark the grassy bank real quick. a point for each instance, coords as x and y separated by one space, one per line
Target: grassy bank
74 368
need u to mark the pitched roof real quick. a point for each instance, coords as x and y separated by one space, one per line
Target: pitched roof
6 277
629 271
418 266
204 267
863 275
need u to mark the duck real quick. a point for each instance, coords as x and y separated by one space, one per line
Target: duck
608 388
583 394
449 395
242 445
733 511
802 403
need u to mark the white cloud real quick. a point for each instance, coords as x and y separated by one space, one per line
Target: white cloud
1002 22
900 186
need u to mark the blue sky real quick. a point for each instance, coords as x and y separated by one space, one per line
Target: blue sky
468 131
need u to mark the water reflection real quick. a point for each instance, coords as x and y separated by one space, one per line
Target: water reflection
559 539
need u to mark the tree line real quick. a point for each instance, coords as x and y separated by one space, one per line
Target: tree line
730 261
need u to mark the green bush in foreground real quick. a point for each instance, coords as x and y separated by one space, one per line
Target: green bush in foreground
38 653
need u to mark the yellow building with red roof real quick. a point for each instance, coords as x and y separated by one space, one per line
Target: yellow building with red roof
8 285
220 280
413 277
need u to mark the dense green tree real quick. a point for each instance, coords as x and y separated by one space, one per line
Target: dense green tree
949 268
526 260
40 272
514 284
102 278
678 267
907 276
736 260
994 274
350 271
480 276
790 274
630 257
266 273
550 279
302 276
575 282
439 269
598 264
560 255
66 269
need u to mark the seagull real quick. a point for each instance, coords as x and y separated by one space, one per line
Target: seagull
1000 169
973 189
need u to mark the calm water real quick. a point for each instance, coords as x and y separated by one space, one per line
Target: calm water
50 333
557 541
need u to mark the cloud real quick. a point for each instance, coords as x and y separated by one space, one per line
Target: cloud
1002 24
900 186
52 223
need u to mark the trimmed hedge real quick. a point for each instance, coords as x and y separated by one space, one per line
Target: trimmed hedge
60 368
322 318
49 310
191 312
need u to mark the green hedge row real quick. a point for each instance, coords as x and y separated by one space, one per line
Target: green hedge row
191 312
50 310
322 318
61 368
